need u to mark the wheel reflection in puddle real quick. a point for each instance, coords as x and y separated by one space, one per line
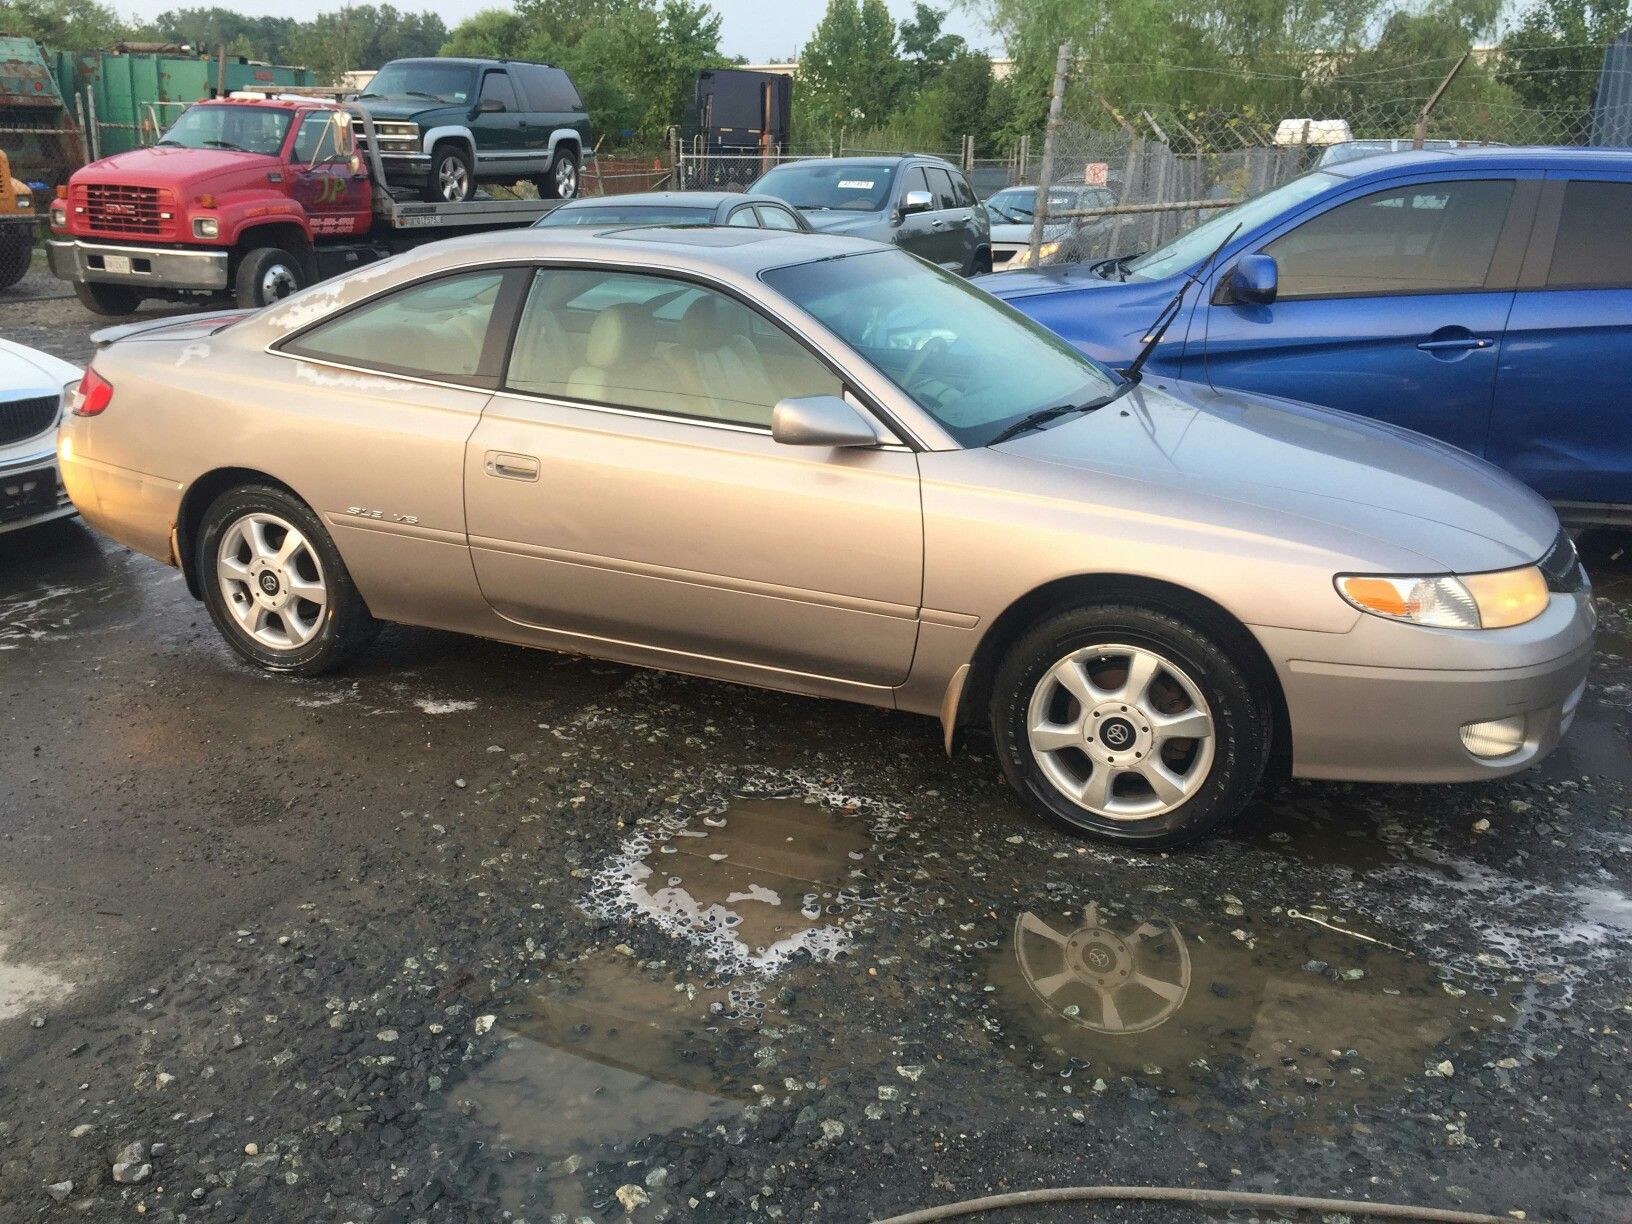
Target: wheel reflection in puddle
1290 1010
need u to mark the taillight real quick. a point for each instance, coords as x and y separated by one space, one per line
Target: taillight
92 396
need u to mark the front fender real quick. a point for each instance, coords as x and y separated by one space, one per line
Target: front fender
238 219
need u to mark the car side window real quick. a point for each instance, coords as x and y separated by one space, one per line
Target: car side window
913 180
772 217
1593 248
435 329
549 90
940 183
496 87
1420 238
964 192
743 216
652 344
317 140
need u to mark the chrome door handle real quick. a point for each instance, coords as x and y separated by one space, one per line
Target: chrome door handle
511 467
1451 346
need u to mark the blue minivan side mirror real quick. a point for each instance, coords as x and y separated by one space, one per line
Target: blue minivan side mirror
1254 281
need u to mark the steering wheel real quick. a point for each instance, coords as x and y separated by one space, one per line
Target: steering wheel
935 344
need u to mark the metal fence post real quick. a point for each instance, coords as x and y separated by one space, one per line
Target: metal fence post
1421 134
1051 137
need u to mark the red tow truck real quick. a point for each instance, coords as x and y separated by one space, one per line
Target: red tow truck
249 196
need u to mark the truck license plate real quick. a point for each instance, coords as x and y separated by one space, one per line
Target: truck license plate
119 265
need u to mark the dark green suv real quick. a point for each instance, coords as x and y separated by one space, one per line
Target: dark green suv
445 125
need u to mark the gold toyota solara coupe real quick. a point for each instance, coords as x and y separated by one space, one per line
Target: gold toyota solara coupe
816 464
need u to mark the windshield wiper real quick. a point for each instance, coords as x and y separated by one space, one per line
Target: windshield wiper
1171 311
226 144
1043 416
420 93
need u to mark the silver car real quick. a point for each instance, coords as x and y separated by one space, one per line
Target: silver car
809 463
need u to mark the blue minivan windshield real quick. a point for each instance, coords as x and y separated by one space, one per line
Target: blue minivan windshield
1190 248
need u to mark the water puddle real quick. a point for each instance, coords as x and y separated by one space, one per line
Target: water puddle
599 1056
1285 1005
750 887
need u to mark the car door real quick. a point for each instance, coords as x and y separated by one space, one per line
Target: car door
623 488
1561 421
917 232
333 192
501 135
1391 304
954 245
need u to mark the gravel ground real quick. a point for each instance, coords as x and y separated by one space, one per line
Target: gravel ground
476 933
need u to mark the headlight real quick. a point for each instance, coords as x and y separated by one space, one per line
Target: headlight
25 203
1470 601
1045 252
206 227
59 215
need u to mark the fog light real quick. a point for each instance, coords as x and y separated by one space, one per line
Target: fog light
1498 738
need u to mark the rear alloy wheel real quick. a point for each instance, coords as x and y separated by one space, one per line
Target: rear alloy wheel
267 275
1130 724
560 182
275 584
109 301
16 252
453 177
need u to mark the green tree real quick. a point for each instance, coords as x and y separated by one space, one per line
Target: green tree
849 73
66 25
205 29
488 34
365 36
1555 51
925 45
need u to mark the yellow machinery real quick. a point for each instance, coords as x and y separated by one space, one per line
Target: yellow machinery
17 221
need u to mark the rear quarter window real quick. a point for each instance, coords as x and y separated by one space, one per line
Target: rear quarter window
548 89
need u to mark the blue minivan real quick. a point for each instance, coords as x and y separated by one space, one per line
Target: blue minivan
1482 296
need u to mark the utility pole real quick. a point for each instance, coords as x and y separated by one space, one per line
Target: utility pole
1051 136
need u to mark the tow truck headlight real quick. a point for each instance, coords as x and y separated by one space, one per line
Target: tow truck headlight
59 214
1470 601
206 227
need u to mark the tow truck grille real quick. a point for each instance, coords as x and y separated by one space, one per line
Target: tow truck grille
112 209
24 418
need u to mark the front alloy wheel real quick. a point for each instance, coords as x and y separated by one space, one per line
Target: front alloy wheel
1130 723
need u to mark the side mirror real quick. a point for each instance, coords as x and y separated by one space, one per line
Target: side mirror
821 420
1254 281
490 106
916 202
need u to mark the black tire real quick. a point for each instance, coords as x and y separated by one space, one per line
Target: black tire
1240 713
267 275
561 181
342 624
450 163
109 301
16 252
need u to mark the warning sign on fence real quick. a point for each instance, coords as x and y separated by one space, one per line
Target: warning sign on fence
1095 174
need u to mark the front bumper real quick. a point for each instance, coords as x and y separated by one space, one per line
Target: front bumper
114 263
1372 705
406 169
31 491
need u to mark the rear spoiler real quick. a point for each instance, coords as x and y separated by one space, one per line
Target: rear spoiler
209 322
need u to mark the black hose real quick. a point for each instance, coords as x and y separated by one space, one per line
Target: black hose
1196 1198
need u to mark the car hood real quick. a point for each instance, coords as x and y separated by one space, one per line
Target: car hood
183 171
27 372
832 221
1058 278
407 108
1405 492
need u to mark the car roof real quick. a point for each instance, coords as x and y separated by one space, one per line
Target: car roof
886 159
1491 157
700 200
744 251
467 61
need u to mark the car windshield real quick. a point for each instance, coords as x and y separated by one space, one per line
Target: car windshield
949 346
822 185
625 214
1017 205
1191 248
438 82
245 129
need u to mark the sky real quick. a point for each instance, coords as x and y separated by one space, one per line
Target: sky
758 29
